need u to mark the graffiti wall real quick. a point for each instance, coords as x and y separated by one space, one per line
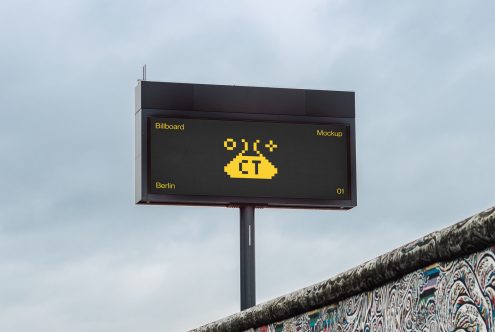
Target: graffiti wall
458 295
442 282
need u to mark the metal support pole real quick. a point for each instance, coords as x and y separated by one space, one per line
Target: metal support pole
248 276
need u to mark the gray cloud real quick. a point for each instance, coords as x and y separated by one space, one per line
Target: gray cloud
77 254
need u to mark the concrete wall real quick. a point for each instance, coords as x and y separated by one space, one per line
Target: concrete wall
444 281
453 296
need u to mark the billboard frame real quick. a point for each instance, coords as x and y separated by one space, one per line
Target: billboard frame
239 103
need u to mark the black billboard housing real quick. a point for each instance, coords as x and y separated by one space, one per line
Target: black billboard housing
199 144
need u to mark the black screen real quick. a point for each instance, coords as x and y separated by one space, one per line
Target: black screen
248 159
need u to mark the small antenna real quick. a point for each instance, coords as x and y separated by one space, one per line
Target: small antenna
144 72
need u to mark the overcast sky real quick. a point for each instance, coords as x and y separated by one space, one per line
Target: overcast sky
76 254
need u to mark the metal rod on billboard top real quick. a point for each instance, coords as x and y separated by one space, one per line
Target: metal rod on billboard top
248 276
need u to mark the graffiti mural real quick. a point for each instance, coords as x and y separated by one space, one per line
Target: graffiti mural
445 297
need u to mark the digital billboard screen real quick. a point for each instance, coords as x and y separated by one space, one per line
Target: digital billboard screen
260 159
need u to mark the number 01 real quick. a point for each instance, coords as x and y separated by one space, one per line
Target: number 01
340 191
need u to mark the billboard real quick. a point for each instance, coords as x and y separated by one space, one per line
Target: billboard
204 155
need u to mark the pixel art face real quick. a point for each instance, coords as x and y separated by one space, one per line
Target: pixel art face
250 164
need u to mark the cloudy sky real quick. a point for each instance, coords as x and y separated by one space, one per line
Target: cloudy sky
76 254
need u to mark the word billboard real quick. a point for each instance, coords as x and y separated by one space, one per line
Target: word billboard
224 145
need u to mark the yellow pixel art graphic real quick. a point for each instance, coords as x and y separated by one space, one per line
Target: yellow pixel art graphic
256 166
